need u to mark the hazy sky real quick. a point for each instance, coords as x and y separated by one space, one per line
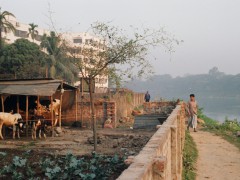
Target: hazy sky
210 28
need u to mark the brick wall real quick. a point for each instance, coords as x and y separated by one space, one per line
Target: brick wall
161 158
125 102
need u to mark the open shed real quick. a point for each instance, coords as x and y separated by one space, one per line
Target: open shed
22 95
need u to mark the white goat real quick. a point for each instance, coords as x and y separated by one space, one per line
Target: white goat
9 119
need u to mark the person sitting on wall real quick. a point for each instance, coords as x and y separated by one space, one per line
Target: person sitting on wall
147 97
108 124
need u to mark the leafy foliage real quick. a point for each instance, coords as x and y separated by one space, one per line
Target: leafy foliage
24 59
227 129
32 31
13 169
64 167
60 64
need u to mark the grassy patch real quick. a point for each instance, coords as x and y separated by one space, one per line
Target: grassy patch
190 155
227 130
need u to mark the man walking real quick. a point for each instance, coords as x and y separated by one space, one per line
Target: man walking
192 111
147 97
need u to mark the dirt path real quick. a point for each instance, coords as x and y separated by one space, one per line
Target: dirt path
218 159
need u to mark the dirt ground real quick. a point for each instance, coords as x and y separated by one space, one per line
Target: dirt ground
123 142
218 159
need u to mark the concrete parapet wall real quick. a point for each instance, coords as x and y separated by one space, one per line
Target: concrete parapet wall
161 158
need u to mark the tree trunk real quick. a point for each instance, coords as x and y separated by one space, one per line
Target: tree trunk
94 125
1 40
46 72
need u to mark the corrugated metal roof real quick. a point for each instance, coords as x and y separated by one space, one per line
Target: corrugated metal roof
33 87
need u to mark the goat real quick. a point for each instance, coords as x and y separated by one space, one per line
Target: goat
38 124
9 119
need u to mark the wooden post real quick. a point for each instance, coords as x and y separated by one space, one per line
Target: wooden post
52 114
60 108
2 100
38 110
17 104
27 115
76 104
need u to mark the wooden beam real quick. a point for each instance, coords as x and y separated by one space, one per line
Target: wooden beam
27 115
3 128
38 110
17 104
2 100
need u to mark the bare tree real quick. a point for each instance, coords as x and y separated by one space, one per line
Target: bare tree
118 54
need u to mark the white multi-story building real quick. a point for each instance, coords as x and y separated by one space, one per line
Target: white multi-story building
80 41
75 40
22 31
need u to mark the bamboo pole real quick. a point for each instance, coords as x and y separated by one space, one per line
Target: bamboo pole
27 115
2 100
52 113
17 104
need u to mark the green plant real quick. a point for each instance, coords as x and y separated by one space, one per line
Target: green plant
12 170
129 97
64 167
227 129
3 154
52 173
190 155
138 108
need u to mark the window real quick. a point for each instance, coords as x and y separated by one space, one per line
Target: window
5 30
38 37
77 41
22 34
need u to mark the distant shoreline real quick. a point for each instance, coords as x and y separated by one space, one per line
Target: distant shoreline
221 116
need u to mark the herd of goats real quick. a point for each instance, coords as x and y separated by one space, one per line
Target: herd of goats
37 123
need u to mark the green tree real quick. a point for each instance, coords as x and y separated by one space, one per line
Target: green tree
32 31
5 25
24 59
118 55
59 64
